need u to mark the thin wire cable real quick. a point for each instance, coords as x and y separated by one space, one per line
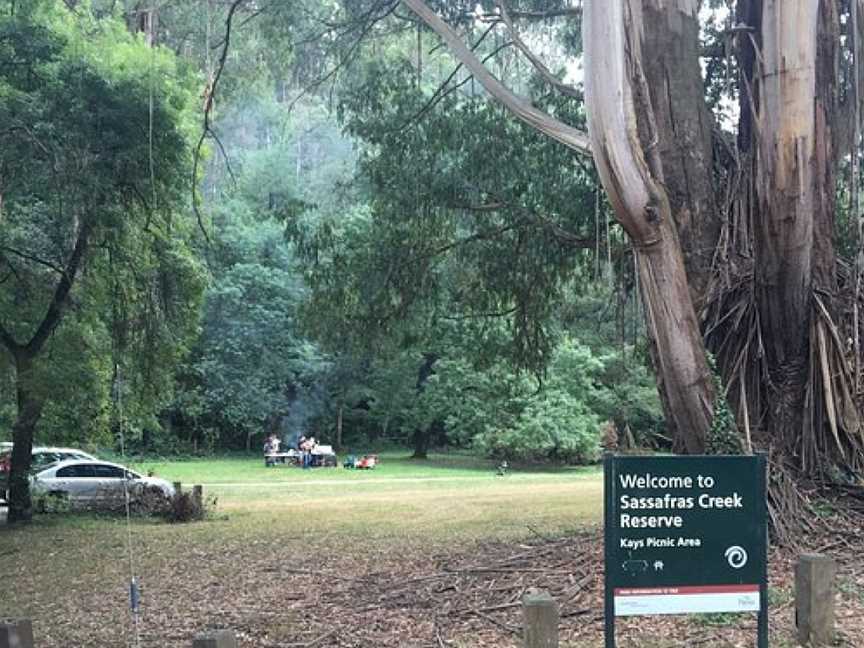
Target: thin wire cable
151 39
133 581
134 598
854 197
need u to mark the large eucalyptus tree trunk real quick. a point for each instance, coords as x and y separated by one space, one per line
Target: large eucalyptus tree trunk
650 138
806 394
792 170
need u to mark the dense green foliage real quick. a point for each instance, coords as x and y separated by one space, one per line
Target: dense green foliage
94 156
384 259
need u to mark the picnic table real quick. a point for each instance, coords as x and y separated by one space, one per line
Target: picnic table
321 456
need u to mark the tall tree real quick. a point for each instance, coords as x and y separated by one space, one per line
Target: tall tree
93 162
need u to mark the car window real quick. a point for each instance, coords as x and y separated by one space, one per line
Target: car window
45 458
108 472
82 470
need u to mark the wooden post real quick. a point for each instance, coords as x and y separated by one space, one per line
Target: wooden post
16 634
198 496
814 599
540 620
215 639
178 487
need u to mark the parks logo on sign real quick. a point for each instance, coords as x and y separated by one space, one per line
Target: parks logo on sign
685 535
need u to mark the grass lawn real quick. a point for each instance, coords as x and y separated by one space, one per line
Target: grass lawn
70 574
409 555
394 465
435 499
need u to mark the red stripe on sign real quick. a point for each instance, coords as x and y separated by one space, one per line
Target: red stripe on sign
698 589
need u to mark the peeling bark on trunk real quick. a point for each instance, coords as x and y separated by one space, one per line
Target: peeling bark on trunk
748 16
786 198
795 278
783 352
626 140
670 47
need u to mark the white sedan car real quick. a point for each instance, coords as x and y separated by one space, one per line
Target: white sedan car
42 457
96 484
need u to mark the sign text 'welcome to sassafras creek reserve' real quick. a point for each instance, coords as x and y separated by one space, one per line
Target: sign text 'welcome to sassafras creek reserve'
685 535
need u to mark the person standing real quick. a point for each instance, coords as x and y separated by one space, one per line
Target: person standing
268 451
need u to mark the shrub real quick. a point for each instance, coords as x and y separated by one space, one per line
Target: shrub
555 427
186 507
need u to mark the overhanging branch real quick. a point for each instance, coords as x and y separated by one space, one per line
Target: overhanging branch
210 93
29 257
544 71
444 89
367 25
559 131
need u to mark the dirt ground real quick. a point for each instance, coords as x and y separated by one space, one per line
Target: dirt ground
292 593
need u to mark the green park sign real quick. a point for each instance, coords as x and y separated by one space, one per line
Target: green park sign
685 535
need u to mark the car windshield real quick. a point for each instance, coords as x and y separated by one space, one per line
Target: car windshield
42 459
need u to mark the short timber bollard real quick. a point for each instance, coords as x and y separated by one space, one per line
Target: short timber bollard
16 634
178 487
540 619
215 639
198 496
814 599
